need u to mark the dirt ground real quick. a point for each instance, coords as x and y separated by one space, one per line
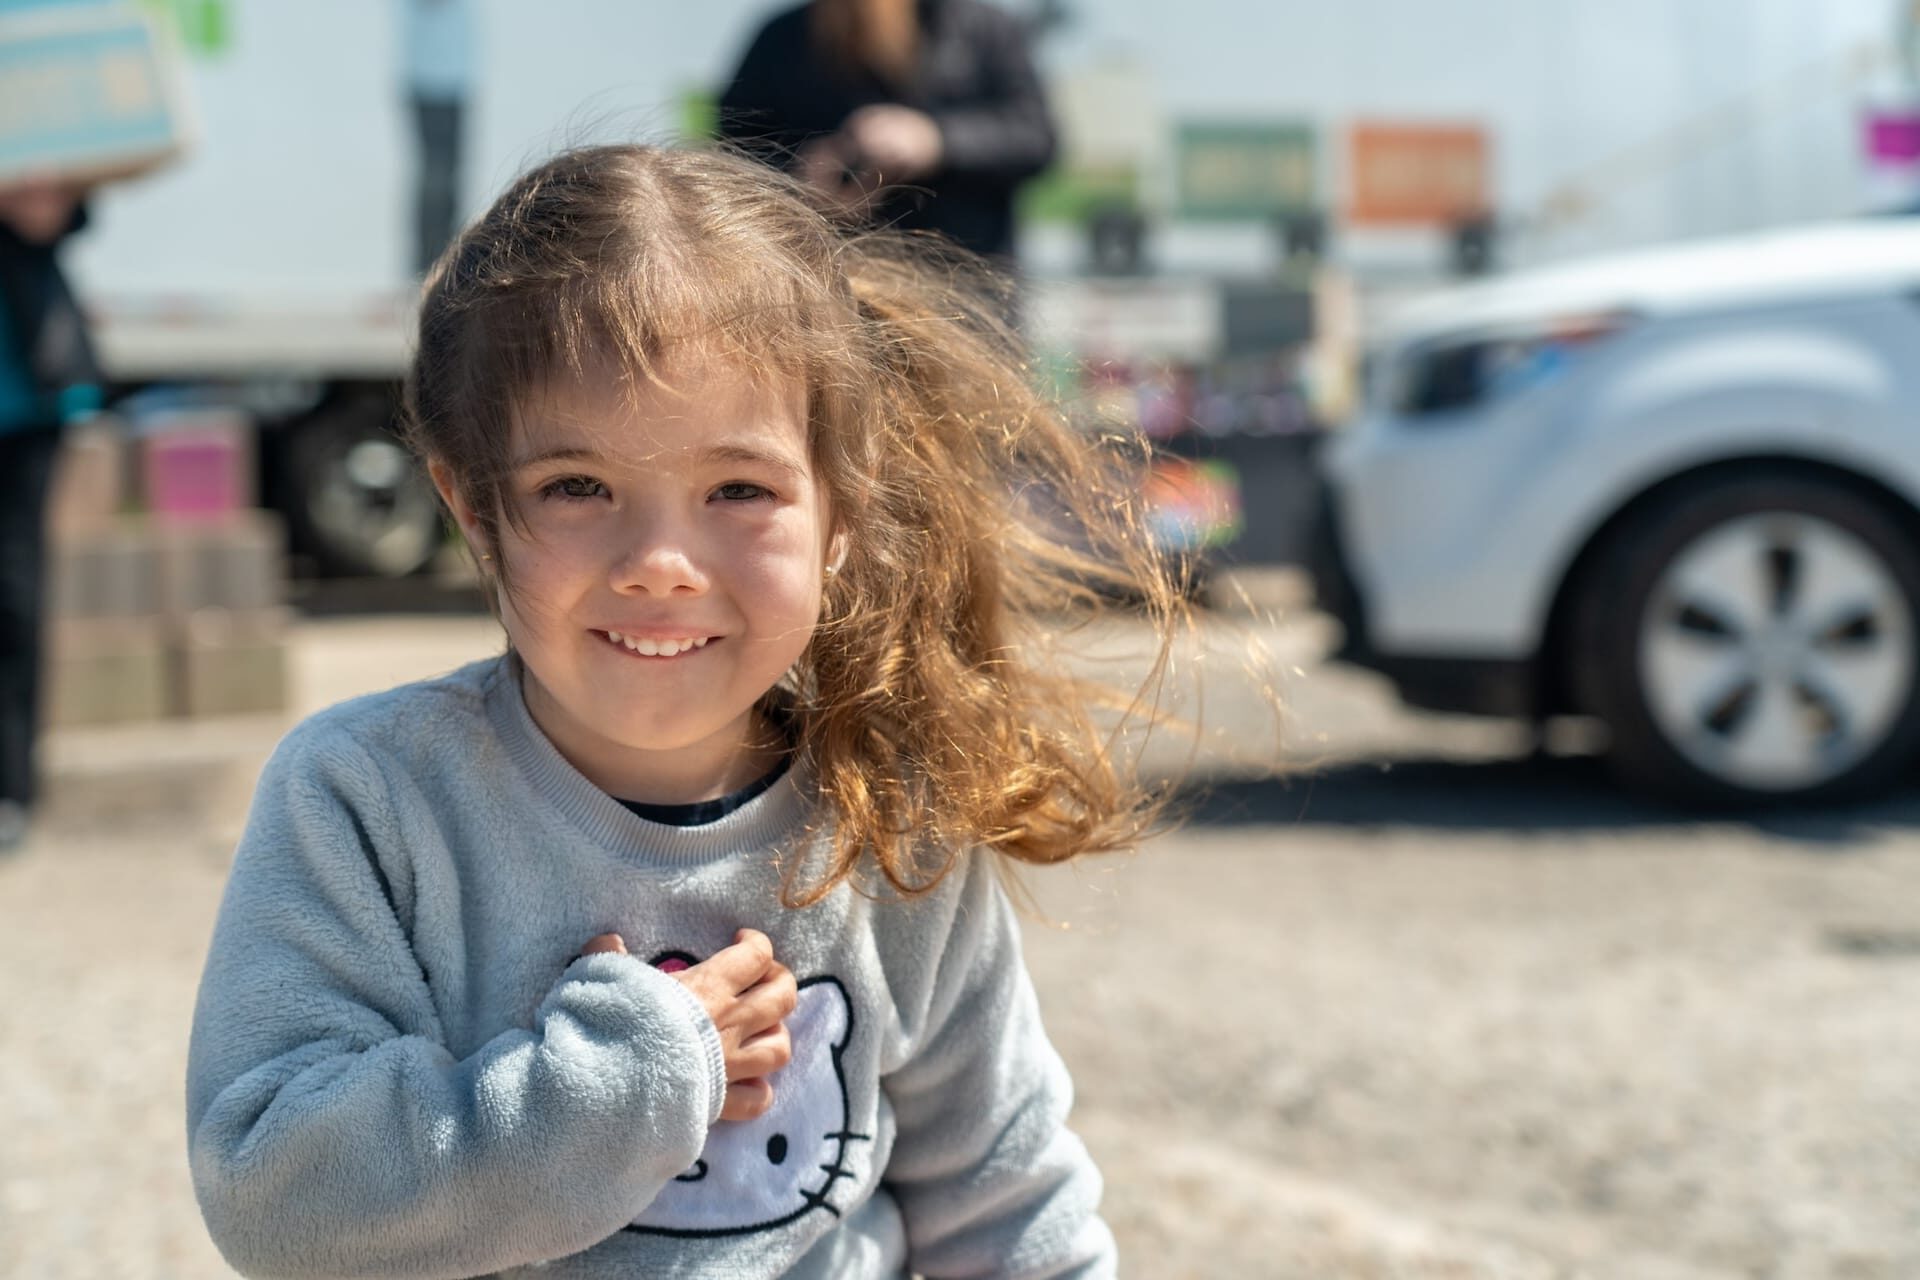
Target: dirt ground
1433 1008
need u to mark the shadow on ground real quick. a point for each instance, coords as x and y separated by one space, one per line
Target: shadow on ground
422 594
1539 793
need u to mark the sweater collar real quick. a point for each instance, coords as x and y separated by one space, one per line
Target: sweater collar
769 819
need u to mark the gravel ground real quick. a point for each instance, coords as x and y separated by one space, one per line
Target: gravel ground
1437 1010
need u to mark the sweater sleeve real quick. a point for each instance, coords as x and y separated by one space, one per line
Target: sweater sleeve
987 1175
1008 134
330 1130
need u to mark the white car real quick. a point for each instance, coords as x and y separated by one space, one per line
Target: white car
1678 490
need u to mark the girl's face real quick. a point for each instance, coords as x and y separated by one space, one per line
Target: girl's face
669 572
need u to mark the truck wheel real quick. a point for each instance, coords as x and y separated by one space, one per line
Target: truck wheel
356 499
1753 638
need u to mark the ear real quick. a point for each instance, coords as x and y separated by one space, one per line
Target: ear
462 513
836 551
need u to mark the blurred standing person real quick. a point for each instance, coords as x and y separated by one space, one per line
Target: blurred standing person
437 51
923 114
47 374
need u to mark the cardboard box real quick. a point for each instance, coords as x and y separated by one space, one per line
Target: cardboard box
136 567
90 90
228 663
238 563
89 480
99 671
113 571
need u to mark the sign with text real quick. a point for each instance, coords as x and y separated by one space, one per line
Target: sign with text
87 91
1244 170
1418 174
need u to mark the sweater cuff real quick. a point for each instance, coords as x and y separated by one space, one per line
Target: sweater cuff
631 969
710 1039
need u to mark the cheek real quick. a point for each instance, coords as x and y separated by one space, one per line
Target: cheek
782 603
547 573
521 612
783 558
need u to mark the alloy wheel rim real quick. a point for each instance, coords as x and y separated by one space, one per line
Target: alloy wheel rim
1776 651
377 505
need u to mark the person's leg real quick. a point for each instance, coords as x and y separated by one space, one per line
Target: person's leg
438 124
26 474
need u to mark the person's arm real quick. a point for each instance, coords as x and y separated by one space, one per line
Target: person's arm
1008 134
988 1177
332 1133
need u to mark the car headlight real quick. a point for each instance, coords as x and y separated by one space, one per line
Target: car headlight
1460 372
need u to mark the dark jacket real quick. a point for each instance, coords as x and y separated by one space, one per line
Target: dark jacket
976 80
44 347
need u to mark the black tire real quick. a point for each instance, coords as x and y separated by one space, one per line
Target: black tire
356 500
1613 606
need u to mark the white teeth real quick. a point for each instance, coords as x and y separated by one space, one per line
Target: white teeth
658 648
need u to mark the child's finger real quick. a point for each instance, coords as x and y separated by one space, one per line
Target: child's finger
605 942
761 1054
767 1003
744 963
747 1099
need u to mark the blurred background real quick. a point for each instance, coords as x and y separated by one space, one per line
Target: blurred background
1532 386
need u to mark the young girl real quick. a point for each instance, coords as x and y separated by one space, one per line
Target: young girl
670 942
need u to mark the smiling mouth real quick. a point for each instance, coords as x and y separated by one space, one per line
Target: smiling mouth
646 647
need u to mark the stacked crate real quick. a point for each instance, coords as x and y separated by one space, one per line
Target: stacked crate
226 628
166 605
105 656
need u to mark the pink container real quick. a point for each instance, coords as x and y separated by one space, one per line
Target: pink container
1893 137
199 467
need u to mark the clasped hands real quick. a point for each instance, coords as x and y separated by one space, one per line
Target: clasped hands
877 146
749 996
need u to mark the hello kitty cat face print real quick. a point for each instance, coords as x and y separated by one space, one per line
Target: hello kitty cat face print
755 1175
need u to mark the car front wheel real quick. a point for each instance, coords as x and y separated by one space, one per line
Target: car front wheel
357 502
1753 638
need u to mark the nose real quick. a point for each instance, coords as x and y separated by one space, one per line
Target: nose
658 558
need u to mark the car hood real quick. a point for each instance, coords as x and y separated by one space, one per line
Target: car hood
1827 260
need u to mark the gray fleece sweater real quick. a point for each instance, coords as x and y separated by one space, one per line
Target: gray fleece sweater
398 1067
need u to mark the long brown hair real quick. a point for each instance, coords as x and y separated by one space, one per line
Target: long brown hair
880 37
976 513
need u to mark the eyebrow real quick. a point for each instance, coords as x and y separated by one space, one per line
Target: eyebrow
714 453
565 453
751 455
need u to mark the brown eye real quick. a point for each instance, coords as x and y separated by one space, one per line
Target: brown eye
573 488
741 491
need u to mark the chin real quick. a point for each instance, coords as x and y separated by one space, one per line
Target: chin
644 732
